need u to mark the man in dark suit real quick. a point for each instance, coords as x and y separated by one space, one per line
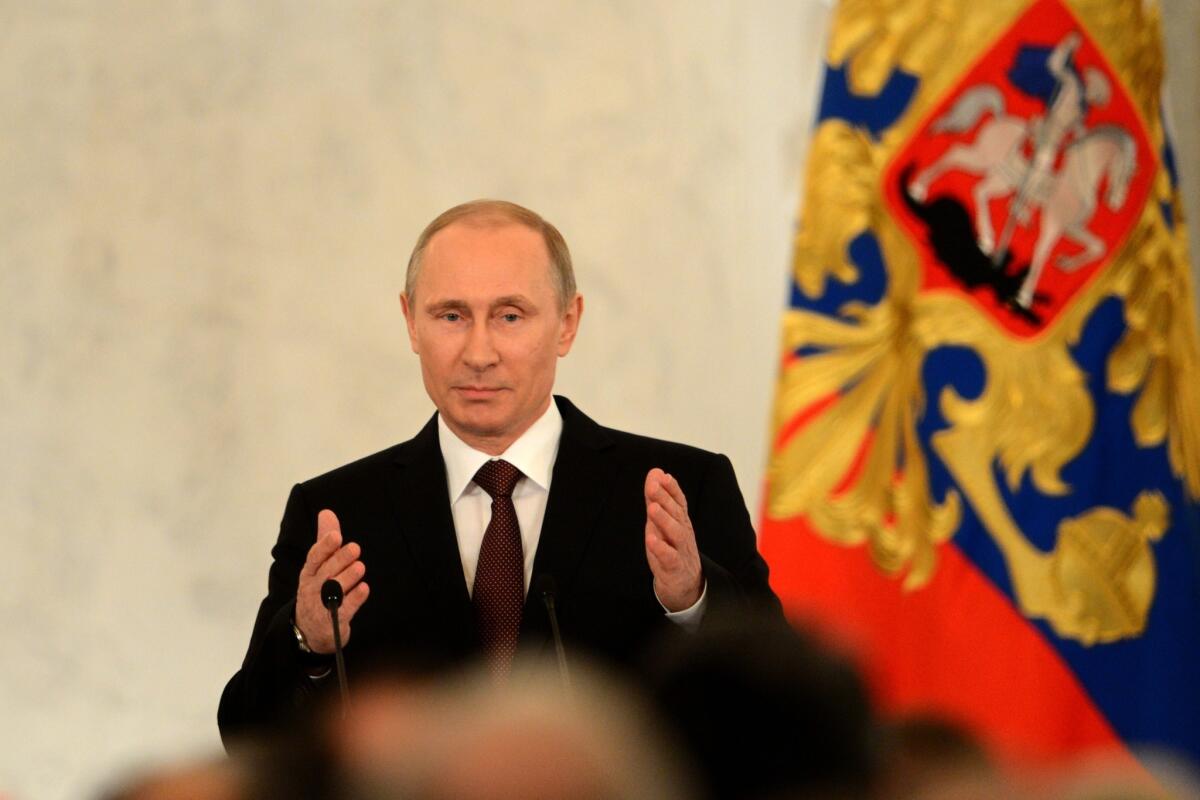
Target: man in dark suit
506 488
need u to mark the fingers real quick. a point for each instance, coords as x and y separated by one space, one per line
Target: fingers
659 553
663 489
354 600
344 557
329 539
329 558
678 578
667 515
653 478
327 522
671 550
351 575
675 492
666 527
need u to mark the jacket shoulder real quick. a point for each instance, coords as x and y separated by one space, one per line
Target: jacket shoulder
356 470
368 471
635 444
629 446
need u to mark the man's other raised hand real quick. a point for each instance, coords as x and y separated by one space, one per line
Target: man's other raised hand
329 558
671 543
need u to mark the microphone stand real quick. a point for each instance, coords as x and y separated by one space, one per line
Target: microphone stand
331 597
547 591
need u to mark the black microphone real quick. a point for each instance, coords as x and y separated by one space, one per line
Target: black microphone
331 597
547 589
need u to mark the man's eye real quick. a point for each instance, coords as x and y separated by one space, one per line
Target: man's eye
452 316
510 317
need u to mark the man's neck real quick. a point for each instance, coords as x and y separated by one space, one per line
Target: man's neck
491 446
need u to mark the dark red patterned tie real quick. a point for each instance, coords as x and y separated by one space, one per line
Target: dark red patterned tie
500 577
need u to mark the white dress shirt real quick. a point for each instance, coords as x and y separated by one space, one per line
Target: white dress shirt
533 453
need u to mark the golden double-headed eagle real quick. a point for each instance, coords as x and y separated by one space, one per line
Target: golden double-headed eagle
1035 413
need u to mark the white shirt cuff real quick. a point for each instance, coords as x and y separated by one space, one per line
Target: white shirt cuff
689 618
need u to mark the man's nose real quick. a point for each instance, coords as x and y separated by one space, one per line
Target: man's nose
480 352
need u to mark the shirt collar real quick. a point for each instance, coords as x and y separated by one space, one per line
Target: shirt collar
533 453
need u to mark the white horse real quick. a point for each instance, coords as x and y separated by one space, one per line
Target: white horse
1105 153
1068 199
995 153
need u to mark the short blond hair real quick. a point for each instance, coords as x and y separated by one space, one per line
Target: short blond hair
500 212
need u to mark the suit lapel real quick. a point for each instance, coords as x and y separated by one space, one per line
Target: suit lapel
425 522
580 485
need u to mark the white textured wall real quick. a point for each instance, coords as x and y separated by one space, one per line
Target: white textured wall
204 212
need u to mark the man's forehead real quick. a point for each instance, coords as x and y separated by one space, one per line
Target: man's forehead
512 240
498 242
486 224
478 263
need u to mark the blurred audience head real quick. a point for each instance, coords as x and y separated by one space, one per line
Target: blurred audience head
211 780
929 757
464 737
290 767
470 739
765 712
1150 775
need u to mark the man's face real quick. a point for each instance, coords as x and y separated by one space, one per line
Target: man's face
485 321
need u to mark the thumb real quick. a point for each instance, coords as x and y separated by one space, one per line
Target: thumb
327 522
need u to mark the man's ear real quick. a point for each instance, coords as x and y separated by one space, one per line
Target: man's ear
570 324
410 320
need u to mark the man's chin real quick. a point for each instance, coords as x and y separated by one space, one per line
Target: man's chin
479 418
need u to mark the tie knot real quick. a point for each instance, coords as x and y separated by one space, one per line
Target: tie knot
498 478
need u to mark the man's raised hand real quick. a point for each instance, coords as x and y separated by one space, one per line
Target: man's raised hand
329 558
671 543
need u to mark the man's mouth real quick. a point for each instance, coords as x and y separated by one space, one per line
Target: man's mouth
478 392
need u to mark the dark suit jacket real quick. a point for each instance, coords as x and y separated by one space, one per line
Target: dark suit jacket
419 613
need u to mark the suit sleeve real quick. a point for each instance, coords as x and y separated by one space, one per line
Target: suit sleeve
273 683
735 573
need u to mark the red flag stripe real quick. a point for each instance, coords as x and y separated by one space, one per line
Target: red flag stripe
947 647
